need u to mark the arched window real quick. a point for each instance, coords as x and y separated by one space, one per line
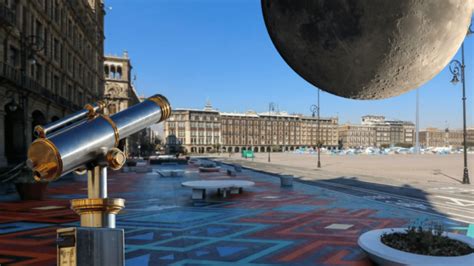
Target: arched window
106 70
118 75
112 72
14 123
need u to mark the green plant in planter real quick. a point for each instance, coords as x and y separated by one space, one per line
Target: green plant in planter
426 238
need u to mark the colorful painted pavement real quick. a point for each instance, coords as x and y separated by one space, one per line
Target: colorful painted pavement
267 224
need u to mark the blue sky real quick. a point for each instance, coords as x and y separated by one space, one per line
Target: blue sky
194 50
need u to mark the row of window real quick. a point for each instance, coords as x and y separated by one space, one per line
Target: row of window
230 142
203 133
113 72
70 73
204 118
59 84
268 123
85 52
206 140
224 120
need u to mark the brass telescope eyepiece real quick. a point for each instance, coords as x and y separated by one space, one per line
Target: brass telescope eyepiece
44 159
89 137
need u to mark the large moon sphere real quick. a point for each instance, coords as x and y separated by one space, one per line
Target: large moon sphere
367 49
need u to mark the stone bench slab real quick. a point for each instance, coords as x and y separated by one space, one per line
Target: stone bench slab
199 187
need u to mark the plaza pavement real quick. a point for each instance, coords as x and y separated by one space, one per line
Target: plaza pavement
266 225
396 169
430 183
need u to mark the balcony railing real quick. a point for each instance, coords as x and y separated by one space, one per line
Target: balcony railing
22 81
7 15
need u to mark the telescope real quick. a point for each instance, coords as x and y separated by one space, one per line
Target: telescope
91 141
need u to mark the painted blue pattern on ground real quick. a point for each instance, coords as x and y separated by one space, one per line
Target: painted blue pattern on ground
297 208
21 226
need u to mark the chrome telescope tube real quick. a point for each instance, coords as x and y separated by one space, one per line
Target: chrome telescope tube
74 147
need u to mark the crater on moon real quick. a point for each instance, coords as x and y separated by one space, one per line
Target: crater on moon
367 49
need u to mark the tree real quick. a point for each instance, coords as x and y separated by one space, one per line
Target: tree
217 147
404 145
276 148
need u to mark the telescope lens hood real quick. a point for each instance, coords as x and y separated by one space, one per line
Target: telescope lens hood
163 103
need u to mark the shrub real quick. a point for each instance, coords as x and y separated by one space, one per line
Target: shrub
426 241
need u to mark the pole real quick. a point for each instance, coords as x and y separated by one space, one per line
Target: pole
417 134
319 134
271 129
465 179
97 183
97 191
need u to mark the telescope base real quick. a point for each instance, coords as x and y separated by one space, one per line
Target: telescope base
83 246
98 212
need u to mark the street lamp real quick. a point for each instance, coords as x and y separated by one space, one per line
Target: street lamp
12 105
315 109
271 108
458 70
31 45
417 126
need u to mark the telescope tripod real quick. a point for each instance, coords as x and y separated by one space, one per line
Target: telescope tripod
96 242
94 141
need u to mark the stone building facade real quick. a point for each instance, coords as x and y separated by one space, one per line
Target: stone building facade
401 132
207 130
51 64
434 137
120 93
375 131
355 136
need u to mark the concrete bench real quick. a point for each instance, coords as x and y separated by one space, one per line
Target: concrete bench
194 161
209 169
142 169
170 173
223 187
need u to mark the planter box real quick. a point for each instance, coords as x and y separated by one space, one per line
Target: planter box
32 191
131 163
382 254
286 181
